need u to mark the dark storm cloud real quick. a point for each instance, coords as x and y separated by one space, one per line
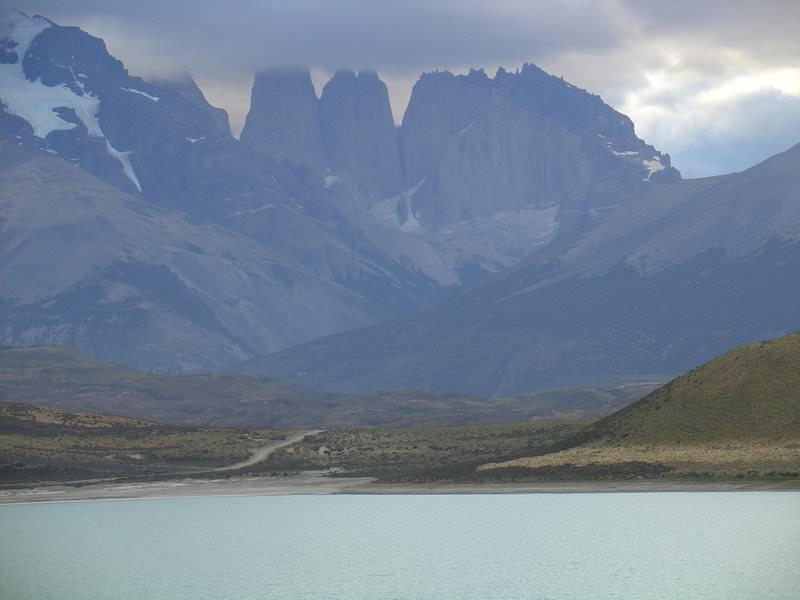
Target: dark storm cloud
387 35
688 73
767 27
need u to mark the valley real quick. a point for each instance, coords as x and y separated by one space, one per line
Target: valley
53 446
64 378
374 300
491 289
736 418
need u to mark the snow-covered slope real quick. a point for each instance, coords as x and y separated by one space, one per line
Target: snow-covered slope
50 108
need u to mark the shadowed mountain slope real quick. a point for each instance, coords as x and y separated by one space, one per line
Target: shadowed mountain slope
87 265
672 279
65 378
64 97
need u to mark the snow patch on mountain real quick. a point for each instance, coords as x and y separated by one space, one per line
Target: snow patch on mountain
329 180
653 166
21 29
489 244
30 100
468 127
141 93
38 104
125 161
412 223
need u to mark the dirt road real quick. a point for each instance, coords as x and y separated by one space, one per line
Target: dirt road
264 452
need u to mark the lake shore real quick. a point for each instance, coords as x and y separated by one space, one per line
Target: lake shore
318 484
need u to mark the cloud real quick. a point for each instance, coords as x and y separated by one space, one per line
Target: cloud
686 73
713 137
355 33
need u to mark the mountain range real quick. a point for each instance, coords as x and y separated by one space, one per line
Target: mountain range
481 172
66 379
512 234
669 280
161 147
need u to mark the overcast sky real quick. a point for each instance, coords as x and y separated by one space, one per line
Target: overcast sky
716 83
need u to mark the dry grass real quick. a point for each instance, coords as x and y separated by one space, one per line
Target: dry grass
47 443
383 451
738 415
724 459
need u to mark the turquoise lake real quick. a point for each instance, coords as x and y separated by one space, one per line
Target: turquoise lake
663 546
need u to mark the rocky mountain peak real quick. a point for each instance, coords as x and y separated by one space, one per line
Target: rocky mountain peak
522 140
441 105
284 117
65 94
358 130
477 75
573 107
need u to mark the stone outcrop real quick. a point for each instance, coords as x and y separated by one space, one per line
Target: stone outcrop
524 140
358 130
507 160
284 117
442 105
470 146
346 136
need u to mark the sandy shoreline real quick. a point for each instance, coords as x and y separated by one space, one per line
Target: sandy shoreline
316 484
308 484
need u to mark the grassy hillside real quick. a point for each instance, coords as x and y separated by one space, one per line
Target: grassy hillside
737 415
61 377
749 393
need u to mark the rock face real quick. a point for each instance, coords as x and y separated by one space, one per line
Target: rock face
521 140
505 160
347 136
496 169
284 117
442 105
483 171
359 132
672 278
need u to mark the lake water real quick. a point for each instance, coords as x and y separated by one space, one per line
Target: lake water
686 546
